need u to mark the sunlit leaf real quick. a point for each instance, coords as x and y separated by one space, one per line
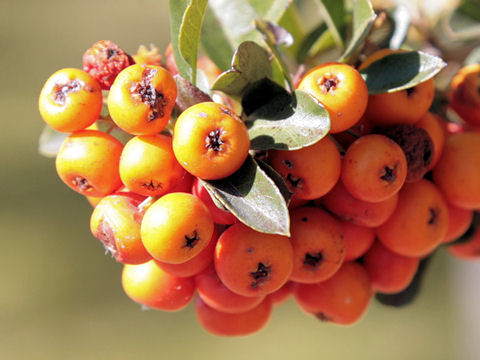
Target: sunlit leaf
333 13
50 141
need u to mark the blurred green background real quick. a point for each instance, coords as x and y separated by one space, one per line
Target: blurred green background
61 296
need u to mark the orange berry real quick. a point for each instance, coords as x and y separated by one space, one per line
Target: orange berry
210 141
251 263
318 246
358 239
400 107
70 100
342 299
148 165
419 223
344 205
281 295
434 126
142 98
196 264
374 168
309 172
341 89
464 96
225 324
459 221
216 295
469 250
389 272
149 285
88 163
457 173
176 228
115 221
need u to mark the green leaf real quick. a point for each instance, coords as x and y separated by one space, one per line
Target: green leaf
250 64
253 198
189 37
271 10
50 141
401 71
177 10
333 13
309 42
401 17
188 94
109 127
294 24
473 57
214 41
288 123
277 179
363 17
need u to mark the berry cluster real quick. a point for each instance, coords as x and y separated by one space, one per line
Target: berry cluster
388 185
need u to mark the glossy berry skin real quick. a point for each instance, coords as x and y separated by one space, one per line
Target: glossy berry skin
70 100
318 246
342 299
142 98
149 285
434 125
176 228
210 141
464 96
358 239
104 60
148 165
419 223
251 263
341 89
309 172
227 324
389 272
459 221
374 168
88 163
115 221
457 173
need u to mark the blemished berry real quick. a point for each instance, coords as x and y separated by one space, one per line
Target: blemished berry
104 60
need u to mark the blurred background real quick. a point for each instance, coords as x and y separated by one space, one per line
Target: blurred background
61 296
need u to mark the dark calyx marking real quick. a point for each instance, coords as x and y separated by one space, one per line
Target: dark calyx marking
146 92
261 275
152 186
214 140
410 91
191 240
323 317
294 181
388 174
62 90
288 163
111 53
312 259
432 220
81 184
107 237
304 219
328 83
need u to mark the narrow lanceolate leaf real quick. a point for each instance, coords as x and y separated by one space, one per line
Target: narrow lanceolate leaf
401 71
473 57
363 17
333 13
177 9
250 64
188 94
253 198
271 10
50 141
288 123
189 37
401 17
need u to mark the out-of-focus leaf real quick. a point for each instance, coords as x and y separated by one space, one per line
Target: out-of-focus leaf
253 198
188 94
288 122
401 18
333 13
250 64
50 141
401 71
177 8
309 41
112 129
292 22
189 36
363 17
271 10
473 57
